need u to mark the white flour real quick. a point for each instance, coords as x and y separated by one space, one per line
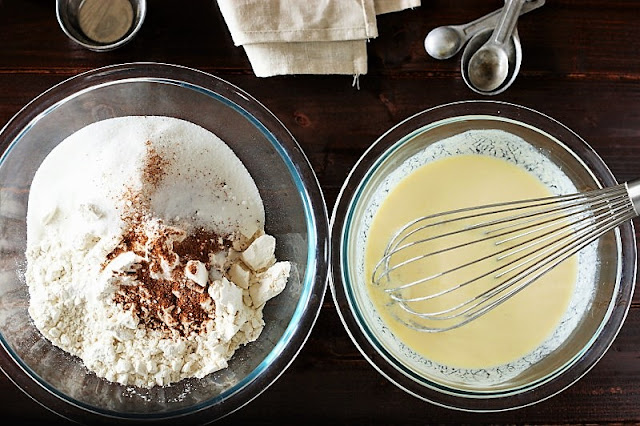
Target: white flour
146 253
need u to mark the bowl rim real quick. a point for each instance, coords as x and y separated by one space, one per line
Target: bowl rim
316 274
383 362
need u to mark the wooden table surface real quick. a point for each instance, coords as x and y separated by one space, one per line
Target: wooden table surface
581 66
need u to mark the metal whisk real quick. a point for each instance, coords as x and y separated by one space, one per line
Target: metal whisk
524 239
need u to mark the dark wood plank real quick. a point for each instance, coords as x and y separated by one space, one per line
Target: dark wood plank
581 66
346 385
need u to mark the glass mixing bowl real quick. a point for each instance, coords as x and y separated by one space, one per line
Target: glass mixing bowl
591 322
295 215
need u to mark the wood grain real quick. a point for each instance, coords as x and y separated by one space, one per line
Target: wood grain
581 66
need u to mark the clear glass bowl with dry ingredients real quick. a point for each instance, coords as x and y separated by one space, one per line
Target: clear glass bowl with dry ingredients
295 215
605 274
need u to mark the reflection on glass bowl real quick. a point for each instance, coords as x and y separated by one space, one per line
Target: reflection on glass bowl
596 311
295 212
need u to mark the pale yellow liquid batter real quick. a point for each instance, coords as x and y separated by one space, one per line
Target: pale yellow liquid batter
508 332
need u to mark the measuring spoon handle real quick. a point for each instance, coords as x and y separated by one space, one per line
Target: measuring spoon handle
507 22
490 20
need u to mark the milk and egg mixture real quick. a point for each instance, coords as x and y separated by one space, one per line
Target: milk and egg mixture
436 356
509 331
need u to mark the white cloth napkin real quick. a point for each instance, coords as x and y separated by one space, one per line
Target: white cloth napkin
306 37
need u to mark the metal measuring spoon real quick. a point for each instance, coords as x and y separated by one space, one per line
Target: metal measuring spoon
489 65
514 52
444 42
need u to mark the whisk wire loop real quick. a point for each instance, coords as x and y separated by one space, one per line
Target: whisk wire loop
565 201
529 237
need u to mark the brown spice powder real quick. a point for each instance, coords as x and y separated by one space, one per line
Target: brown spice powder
154 166
174 305
156 305
198 245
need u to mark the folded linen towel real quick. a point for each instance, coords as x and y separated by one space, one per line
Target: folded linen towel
306 37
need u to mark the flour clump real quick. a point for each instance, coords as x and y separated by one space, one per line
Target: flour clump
146 251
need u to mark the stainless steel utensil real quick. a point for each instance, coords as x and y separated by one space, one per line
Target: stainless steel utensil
445 41
101 25
514 53
523 239
489 65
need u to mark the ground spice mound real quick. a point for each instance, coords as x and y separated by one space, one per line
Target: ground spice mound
166 305
172 305
198 245
163 300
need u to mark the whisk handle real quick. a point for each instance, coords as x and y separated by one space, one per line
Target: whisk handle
633 189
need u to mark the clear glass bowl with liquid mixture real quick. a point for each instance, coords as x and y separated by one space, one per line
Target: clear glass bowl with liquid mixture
604 299
295 215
